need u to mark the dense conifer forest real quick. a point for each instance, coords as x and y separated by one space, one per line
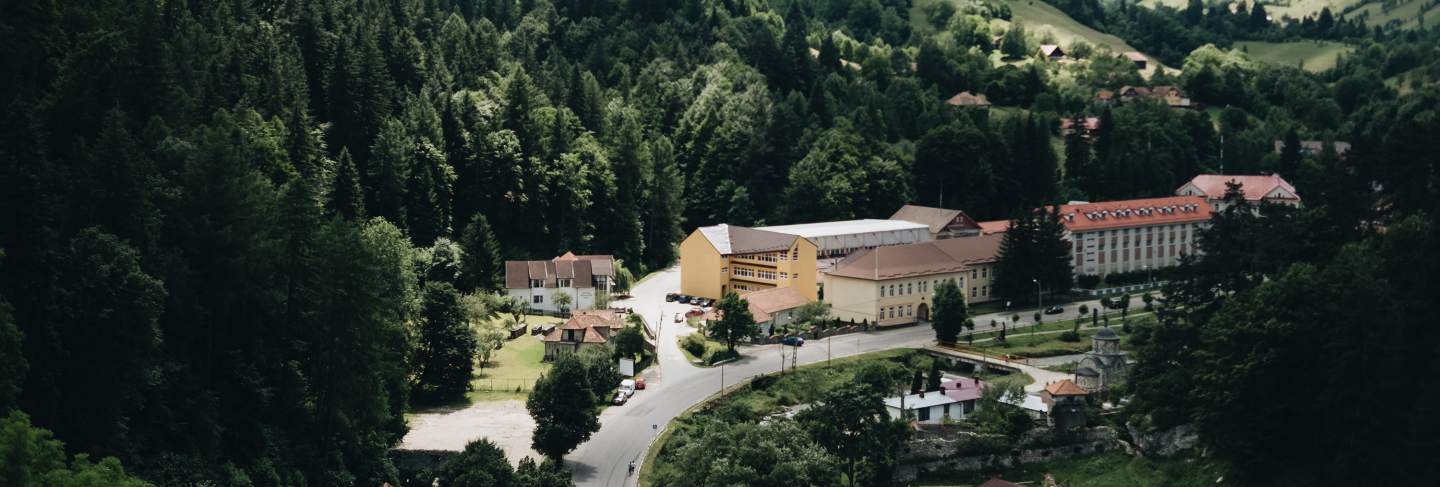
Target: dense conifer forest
223 223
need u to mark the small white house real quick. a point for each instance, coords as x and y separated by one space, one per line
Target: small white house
583 278
955 400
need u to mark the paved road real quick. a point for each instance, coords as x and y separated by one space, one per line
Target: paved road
675 384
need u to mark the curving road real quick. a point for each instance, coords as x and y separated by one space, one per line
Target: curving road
674 384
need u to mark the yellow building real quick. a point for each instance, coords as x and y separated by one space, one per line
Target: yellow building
895 285
723 258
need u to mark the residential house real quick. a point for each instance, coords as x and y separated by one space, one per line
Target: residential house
720 259
1085 126
895 285
968 99
943 223
1170 95
838 239
955 400
1052 52
1313 147
1269 188
775 307
584 329
584 278
1135 57
1066 403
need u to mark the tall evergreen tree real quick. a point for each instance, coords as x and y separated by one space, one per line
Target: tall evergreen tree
481 268
346 199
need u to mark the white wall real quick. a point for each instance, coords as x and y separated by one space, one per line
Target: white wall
582 298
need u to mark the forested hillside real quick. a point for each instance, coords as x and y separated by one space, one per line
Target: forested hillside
218 215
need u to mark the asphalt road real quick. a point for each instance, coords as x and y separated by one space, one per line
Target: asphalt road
674 384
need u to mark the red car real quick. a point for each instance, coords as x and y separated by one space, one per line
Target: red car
639 382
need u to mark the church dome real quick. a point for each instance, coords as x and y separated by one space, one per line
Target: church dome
1106 334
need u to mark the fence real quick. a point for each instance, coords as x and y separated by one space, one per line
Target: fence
1111 291
504 385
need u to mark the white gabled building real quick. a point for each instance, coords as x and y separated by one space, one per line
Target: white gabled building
1269 188
582 277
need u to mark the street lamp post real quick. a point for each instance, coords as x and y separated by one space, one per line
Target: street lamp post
1038 300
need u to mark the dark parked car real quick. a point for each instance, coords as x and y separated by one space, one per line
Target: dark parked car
683 299
671 297
793 341
1054 310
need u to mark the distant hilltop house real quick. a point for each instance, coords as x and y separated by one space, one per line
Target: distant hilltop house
1085 126
721 259
1313 147
1052 52
774 307
584 329
968 99
955 400
1270 188
1133 235
851 65
581 277
1172 96
942 222
895 285
1136 58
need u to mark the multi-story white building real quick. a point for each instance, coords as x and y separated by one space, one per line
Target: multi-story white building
583 278
1133 235
895 285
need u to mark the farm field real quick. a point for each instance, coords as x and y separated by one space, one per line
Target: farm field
1407 15
1295 9
1311 55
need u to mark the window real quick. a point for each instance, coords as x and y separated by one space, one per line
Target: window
909 288
984 272
537 283
973 291
537 299
973 274
795 255
924 414
563 283
784 275
945 410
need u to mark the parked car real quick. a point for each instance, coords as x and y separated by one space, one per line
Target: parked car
671 297
679 318
1054 310
707 302
620 398
793 341
627 387
639 382
683 299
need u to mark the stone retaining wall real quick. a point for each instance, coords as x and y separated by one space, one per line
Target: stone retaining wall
935 451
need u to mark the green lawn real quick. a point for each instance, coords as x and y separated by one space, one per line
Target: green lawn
1039 16
515 366
1406 14
1312 55
1099 470
1045 340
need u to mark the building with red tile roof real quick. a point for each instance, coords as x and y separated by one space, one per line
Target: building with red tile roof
1269 188
994 227
1133 235
589 328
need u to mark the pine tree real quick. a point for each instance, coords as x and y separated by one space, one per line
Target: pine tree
480 263
796 50
829 53
445 348
346 199
391 160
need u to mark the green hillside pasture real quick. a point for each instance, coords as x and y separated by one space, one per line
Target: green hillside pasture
1315 56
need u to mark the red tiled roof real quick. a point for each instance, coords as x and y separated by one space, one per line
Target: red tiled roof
766 302
1134 213
519 273
1254 187
966 98
1090 123
918 259
1134 56
994 482
994 227
596 323
1065 388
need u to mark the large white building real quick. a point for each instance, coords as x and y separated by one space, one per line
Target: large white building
838 239
1133 235
1269 188
538 283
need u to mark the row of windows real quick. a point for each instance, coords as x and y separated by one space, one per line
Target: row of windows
897 311
980 292
908 288
536 283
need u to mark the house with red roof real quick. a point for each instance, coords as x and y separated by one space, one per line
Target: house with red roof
1267 188
584 329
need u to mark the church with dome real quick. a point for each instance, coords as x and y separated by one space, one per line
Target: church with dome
1104 364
